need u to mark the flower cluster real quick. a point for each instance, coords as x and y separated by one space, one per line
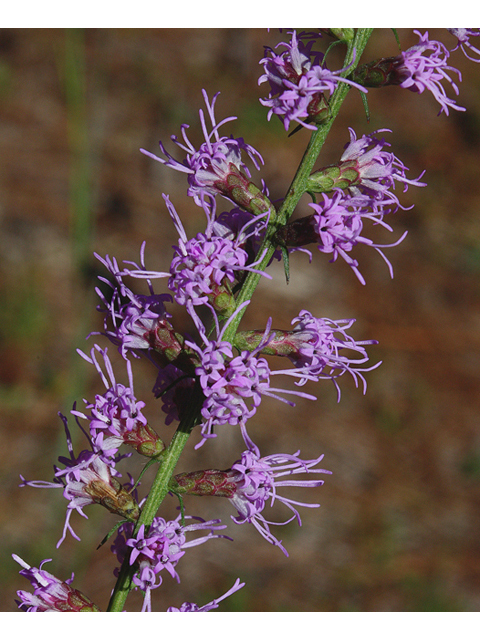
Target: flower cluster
217 167
89 479
50 593
214 380
361 186
116 416
298 82
158 549
423 67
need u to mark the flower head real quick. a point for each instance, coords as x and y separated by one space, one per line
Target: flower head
116 417
338 224
88 479
378 170
319 347
204 268
134 322
160 548
216 167
50 593
298 80
418 70
234 385
258 481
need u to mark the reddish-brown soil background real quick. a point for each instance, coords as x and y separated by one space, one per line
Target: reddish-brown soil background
399 521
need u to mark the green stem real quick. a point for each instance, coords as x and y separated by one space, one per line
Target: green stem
193 416
299 182
158 492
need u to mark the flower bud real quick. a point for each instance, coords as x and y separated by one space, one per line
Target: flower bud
165 341
208 482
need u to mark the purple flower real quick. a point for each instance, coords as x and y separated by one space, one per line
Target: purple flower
417 71
258 481
243 228
377 169
192 607
234 385
201 264
297 83
338 224
463 41
137 322
317 346
50 593
204 267
160 548
217 162
88 479
116 416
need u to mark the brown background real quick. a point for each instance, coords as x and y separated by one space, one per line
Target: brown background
398 527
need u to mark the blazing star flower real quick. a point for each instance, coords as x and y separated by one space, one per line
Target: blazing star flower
463 41
204 267
50 593
192 607
228 381
160 548
258 481
337 225
417 71
141 322
317 347
297 83
88 479
217 166
378 170
116 416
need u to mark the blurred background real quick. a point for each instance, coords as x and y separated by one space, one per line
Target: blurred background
399 521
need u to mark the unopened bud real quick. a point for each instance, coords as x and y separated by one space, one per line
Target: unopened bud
222 299
165 341
318 109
